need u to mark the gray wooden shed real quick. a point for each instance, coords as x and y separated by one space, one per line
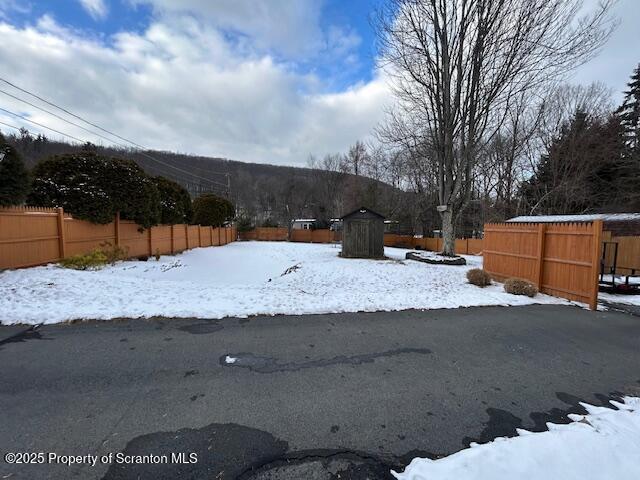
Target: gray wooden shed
363 234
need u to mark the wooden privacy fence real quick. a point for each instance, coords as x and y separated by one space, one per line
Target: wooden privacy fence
281 234
271 234
464 246
32 236
628 252
562 259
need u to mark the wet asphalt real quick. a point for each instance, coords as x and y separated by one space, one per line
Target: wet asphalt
347 396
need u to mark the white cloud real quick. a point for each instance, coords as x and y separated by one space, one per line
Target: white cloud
289 27
181 85
96 8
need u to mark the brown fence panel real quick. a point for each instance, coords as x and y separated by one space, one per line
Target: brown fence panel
161 239
474 246
272 234
28 237
511 250
82 237
216 237
298 235
250 235
561 259
32 236
205 237
194 240
179 238
322 236
628 252
132 240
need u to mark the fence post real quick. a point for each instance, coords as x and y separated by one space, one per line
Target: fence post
542 229
116 227
210 236
172 241
595 266
150 242
200 235
61 234
186 234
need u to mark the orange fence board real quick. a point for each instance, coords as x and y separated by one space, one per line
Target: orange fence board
32 236
562 259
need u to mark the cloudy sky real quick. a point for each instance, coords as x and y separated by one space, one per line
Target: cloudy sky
270 81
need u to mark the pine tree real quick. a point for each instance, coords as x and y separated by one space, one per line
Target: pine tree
629 111
14 177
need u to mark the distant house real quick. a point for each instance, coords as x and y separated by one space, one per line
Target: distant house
363 234
619 224
303 224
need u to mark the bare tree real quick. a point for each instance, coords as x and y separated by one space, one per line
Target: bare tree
456 65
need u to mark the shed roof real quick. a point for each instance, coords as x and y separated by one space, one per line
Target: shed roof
360 211
607 217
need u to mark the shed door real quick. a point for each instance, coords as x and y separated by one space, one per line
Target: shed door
361 230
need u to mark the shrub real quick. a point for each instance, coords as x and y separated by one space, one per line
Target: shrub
14 178
96 259
175 202
519 286
113 253
244 224
90 261
94 187
209 209
479 277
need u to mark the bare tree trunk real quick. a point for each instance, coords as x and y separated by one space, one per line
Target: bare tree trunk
448 233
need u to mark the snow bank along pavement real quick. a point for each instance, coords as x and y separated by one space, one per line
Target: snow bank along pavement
604 444
241 279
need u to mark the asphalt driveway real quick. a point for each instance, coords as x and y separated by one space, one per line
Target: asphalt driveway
323 396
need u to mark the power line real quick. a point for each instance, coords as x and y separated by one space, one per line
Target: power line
195 188
62 118
41 125
92 124
144 154
12 126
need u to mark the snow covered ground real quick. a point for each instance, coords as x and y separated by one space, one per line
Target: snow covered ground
604 444
619 298
241 279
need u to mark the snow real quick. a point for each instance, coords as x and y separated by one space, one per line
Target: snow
603 444
431 256
620 279
620 217
619 298
229 359
242 279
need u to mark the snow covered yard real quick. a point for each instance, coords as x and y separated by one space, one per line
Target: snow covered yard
241 279
603 444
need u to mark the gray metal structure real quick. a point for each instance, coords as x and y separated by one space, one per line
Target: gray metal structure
363 234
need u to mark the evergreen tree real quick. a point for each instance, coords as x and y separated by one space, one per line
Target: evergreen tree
209 209
584 170
629 111
14 177
175 202
95 188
